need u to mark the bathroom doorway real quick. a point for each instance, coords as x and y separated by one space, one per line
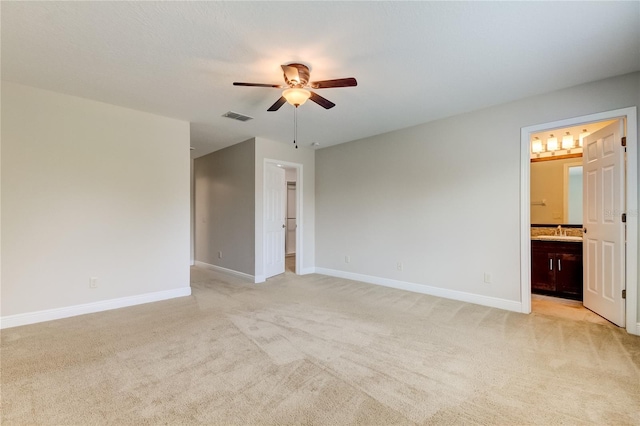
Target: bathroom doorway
556 184
555 213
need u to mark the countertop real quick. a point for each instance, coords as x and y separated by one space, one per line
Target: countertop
558 238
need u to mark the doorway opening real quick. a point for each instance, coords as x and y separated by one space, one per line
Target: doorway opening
556 188
558 215
282 217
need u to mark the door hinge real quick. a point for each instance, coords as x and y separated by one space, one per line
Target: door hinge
624 141
624 218
624 294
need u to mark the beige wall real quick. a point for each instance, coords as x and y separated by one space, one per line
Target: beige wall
90 190
224 208
229 208
443 198
547 183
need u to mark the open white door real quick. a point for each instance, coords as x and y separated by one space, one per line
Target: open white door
275 214
604 242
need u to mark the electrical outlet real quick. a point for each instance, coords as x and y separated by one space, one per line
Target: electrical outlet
347 259
93 282
399 266
487 278
219 255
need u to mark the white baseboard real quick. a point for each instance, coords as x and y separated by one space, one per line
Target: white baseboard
225 270
493 302
637 333
89 308
307 271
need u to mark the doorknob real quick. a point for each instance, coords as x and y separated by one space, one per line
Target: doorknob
584 230
283 226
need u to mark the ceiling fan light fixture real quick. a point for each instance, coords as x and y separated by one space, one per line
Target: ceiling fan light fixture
296 97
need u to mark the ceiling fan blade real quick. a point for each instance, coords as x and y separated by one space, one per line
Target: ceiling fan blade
291 73
277 86
338 82
276 106
324 103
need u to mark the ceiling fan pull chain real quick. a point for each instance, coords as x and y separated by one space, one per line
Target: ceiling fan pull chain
295 126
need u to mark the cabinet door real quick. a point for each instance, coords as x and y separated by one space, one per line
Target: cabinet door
542 270
569 274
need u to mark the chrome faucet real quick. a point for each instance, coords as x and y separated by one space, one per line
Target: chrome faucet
559 231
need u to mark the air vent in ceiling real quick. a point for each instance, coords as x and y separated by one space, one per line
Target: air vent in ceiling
236 116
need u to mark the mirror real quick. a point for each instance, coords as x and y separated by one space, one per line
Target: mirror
573 193
556 192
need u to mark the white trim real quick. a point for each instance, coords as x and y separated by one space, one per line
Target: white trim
225 270
299 212
637 333
259 279
630 115
633 220
192 213
307 271
89 308
509 305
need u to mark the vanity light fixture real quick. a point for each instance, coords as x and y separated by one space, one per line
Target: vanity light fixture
567 141
552 143
583 135
536 145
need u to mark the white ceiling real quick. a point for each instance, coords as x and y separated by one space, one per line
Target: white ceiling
414 61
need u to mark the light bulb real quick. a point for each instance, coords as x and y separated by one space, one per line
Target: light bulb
536 146
567 141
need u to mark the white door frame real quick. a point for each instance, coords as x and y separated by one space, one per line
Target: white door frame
299 211
631 255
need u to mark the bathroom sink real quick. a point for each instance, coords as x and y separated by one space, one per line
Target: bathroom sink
556 238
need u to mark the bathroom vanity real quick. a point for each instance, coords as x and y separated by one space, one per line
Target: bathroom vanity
556 267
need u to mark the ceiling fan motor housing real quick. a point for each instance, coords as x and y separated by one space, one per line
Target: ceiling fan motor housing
303 76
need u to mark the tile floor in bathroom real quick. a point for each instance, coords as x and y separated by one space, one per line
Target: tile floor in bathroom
565 308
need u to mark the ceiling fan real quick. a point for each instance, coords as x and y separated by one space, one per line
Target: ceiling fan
296 77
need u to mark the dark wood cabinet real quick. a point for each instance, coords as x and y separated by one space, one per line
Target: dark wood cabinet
556 268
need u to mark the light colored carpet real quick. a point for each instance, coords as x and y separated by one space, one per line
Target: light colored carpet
317 350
